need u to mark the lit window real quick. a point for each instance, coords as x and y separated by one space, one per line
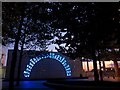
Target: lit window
116 49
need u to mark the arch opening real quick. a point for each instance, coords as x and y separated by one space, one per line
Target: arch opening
52 56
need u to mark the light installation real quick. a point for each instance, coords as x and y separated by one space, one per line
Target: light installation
51 56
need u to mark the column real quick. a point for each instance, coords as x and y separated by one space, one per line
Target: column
116 68
81 66
87 65
104 71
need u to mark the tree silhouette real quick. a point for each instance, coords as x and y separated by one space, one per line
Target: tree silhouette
90 27
19 19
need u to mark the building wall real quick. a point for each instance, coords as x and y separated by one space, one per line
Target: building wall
3 55
3 60
76 66
44 69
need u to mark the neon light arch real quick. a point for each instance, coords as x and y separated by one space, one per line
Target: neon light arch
52 55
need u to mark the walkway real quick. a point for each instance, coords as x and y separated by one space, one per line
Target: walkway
69 83
84 84
27 85
116 79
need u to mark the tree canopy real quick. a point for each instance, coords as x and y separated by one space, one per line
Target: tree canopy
35 24
87 25
82 29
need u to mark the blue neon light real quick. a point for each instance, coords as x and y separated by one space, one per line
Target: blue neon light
54 56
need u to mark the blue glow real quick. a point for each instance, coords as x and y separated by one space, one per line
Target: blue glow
38 58
68 74
67 69
54 56
26 72
28 69
64 64
35 60
31 64
67 66
32 61
62 60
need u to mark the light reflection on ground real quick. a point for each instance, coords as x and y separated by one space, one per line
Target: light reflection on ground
39 84
27 85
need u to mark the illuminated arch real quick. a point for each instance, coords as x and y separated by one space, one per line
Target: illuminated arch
50 55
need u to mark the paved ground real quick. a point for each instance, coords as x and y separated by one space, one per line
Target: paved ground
28 85
108 79
85 84
69 83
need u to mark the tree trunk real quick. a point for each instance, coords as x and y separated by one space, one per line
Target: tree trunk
116 68
88 65
103 65
100 67
14 56
96 77
20 61
81 67
104 71
101 73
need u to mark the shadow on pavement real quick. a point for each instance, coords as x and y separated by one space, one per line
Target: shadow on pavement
82 84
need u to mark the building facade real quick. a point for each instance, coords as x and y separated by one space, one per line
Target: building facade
44 65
